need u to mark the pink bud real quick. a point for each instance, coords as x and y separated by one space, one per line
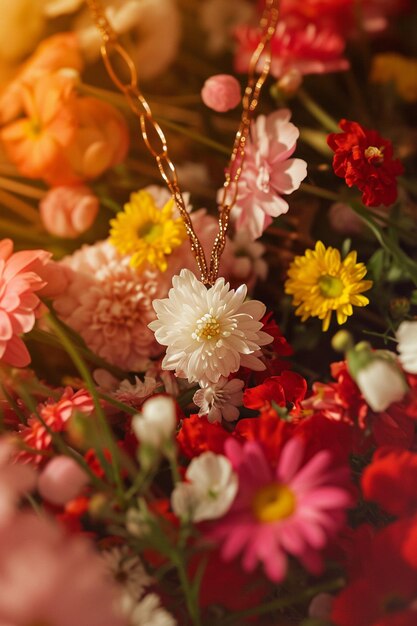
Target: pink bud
68 211
221 92
61 480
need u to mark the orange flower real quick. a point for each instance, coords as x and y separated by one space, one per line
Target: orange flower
34 142
100 142
57 52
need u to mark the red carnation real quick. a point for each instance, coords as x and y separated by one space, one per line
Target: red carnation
390 480
363 158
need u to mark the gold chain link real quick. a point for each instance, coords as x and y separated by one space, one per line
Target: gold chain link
154 136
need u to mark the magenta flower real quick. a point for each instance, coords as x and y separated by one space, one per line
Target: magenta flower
268 173
294 509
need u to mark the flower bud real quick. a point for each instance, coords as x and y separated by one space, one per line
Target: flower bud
69 211
407 346
61 480
155 426
221 92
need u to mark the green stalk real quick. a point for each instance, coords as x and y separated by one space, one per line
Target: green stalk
282 603
317 112
86 375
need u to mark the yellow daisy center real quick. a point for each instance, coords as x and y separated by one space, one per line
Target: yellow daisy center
273 502
207 328
330 286
322 282
147 233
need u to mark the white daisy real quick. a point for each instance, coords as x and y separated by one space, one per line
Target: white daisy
220 400
209 333
147 612
127 569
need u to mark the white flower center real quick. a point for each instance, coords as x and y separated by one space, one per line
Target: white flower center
263 178
207 328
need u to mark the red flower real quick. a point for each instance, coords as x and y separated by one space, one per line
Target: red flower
285 391
385 590
390 480
197 435
363 158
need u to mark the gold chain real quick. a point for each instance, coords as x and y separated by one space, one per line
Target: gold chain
157 145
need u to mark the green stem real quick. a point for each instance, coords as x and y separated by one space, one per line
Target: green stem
282 603
319 192
86 375
43 337
192 134
317 112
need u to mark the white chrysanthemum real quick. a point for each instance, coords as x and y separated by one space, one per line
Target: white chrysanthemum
407 346
209 333
211 488
127 569
220 400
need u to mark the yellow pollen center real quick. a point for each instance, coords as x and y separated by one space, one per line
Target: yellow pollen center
149 231
273 502
207 327
374 155
330 286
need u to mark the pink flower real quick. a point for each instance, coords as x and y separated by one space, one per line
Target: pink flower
221 92
307 47
15 480
268 172
294 509
47 577
110 305
69 211
61 480
23 277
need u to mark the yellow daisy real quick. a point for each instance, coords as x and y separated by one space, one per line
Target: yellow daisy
147 233
320 282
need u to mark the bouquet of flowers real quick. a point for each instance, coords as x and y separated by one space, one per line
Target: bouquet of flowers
208 313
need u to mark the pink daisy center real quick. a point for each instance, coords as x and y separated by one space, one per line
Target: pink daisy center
273 502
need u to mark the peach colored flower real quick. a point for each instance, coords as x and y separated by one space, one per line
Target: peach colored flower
69 211
61 480
54 53
35 142
23 277
100 141
15 480
109 304
48 577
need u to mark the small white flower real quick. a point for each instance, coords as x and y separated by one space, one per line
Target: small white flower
209 333
127 569
156 423
407 346
147 612
220 400
211 488
381 383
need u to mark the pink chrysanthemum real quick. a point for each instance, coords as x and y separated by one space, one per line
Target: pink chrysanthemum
56 416
23 277
269 172
110 305
293 509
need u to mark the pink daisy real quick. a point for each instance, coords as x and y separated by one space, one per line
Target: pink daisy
293 509
269 172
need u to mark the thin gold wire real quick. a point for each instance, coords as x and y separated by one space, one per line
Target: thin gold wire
154 136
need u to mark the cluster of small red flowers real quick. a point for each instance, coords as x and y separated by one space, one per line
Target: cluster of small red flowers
365 160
